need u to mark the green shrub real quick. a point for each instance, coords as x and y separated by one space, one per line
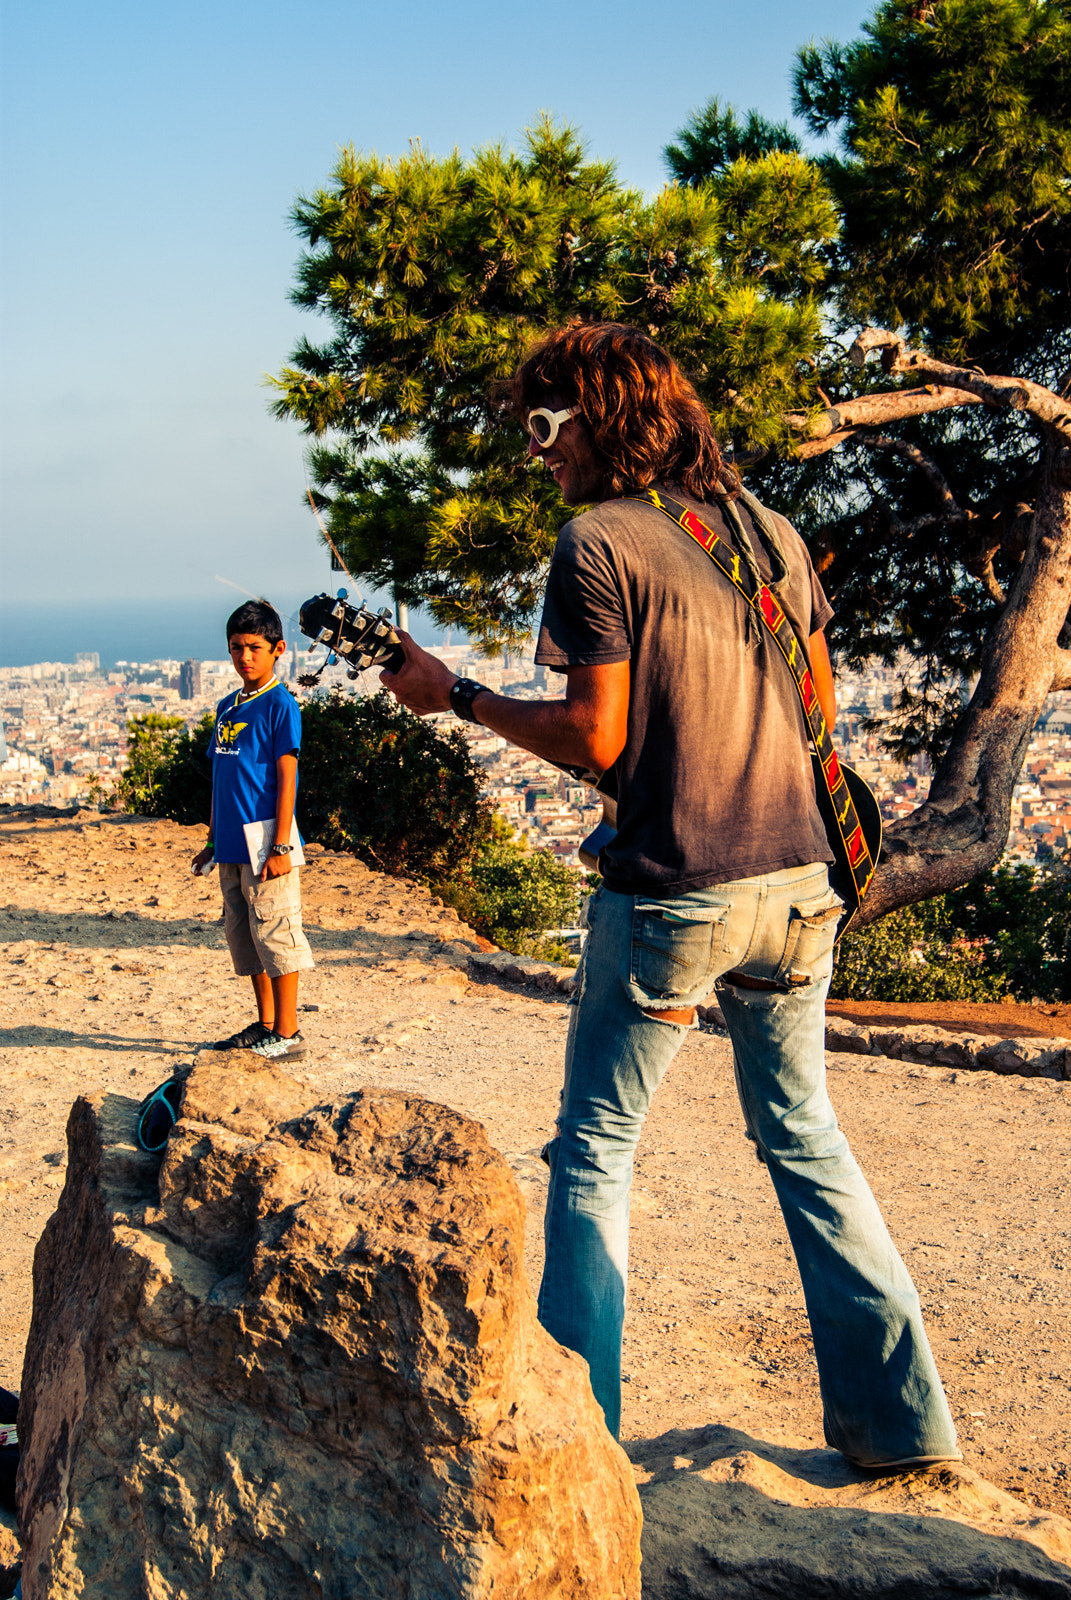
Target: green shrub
1007 933
1023 915
184 787
915 953
389 787
151 742
514 894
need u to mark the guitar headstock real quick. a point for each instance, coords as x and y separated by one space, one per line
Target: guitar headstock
362 638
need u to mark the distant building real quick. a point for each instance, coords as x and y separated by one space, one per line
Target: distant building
190 680
88 660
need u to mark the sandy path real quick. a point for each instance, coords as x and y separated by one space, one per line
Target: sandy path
114 967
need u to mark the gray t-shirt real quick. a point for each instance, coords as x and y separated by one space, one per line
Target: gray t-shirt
714 782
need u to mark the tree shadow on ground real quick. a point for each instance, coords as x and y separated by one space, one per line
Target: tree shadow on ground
29 1037
728 1516
88 930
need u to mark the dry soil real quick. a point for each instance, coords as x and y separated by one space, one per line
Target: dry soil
115 969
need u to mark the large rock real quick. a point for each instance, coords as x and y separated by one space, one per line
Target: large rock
299 1359
727 1517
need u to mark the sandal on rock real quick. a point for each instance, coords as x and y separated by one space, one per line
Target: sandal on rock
158 1114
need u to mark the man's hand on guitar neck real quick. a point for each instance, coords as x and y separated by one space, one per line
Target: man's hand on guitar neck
423 685
586 729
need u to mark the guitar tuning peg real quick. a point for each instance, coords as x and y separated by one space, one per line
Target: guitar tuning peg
332 660
342 594
387 612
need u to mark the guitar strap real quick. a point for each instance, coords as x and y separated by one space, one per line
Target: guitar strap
764 604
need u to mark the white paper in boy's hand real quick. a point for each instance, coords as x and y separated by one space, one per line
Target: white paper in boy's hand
259 838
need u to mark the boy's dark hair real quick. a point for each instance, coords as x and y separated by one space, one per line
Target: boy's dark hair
256 616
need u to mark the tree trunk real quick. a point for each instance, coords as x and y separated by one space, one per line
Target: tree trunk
962 828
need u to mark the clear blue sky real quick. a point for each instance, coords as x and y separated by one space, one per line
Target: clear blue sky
151 153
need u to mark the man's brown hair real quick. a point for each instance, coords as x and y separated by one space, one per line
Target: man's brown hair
646 420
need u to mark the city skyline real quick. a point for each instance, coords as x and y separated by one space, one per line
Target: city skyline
67 728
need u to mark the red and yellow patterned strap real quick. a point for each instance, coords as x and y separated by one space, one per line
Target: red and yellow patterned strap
855 851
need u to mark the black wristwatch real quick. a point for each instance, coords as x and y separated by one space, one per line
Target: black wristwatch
462 695
281 849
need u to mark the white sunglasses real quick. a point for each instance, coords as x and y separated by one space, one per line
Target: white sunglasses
543 425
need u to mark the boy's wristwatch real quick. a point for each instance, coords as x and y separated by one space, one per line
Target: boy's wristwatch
281 849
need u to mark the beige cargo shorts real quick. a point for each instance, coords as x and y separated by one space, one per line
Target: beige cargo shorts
262 922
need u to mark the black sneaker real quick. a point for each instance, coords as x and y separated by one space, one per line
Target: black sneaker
276 1048
246 1039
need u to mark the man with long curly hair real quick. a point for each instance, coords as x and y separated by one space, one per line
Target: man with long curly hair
716 878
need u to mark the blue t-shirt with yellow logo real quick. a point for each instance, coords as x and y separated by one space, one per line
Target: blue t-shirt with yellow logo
250 736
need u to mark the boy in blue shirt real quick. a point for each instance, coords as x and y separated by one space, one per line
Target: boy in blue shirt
254 755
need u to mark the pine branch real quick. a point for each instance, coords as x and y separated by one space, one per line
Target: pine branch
832 426
1005 394
926 465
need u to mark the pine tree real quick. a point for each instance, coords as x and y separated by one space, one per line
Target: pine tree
437 273
714 137
937 497
954 124
936 491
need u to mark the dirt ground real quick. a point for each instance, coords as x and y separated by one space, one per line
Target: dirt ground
114 969
1010 1019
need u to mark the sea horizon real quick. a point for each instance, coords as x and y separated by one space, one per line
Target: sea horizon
132 630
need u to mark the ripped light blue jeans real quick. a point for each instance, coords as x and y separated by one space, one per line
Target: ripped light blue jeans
882 1398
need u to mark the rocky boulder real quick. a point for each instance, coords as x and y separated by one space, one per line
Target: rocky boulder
298 1357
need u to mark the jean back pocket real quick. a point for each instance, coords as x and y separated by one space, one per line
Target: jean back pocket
812 928
676 952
